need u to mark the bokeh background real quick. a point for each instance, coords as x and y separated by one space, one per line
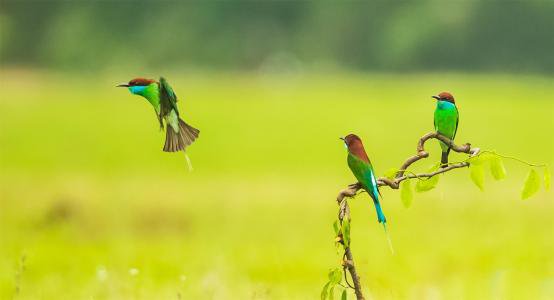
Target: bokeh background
91 208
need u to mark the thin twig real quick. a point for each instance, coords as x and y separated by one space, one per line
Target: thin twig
516 159
348 259
401 175
346 277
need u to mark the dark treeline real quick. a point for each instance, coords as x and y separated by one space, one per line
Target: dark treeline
511 36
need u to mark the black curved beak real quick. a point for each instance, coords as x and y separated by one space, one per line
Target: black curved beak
122 85
341 138
436 97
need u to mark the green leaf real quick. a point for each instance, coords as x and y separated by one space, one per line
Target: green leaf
427 184
390 173
477 174
335 276
406 194
338 248
483 157
531 185
497 167
344 295
324 291
479 159
346 232
336 227
332 293
547 178
424 185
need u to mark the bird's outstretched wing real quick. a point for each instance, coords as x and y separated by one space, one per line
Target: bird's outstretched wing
168 99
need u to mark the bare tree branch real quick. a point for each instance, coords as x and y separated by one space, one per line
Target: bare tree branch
348 259
420 154
349 262
352 190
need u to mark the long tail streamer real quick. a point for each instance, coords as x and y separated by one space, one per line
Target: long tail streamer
189 164
388 238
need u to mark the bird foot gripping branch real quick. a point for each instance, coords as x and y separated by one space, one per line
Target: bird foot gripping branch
400 176
395 180
421 153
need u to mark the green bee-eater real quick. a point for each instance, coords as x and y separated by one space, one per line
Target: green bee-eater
363 171
446 121
179 134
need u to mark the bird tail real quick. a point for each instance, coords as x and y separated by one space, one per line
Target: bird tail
389 241
380 215
178 141
444 158
381 218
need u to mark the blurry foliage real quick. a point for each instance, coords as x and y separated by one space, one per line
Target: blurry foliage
382 35
242 226
406 194
532 184
477 174
427 184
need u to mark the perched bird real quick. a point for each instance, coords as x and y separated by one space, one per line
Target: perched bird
446 121
179 134
363 171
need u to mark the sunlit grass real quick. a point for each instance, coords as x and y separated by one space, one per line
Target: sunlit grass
88 195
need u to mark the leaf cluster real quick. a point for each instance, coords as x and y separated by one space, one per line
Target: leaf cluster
478 166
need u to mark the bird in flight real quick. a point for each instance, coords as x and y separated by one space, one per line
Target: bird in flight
179 134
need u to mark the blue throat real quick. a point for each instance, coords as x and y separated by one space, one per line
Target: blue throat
137 89
445 105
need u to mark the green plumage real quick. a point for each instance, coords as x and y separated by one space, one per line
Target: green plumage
446 123
161 96
364 173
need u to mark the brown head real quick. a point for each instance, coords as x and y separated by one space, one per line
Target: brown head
137 82
355 146
445 96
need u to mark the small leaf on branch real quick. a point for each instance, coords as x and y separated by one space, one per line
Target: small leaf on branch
427 184
391 173
338 246
531 185
547 178
336 276
344 295
484 156
336 227
406 195
324 291
346 232
497 167
477 174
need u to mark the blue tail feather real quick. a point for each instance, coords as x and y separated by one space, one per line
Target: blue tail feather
380 215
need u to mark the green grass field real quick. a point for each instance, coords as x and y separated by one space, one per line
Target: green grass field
96 210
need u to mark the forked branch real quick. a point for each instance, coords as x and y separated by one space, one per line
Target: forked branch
401 175
394 183
348 259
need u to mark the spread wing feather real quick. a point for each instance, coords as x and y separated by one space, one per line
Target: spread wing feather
168 99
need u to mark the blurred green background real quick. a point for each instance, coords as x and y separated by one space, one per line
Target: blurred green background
91 208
